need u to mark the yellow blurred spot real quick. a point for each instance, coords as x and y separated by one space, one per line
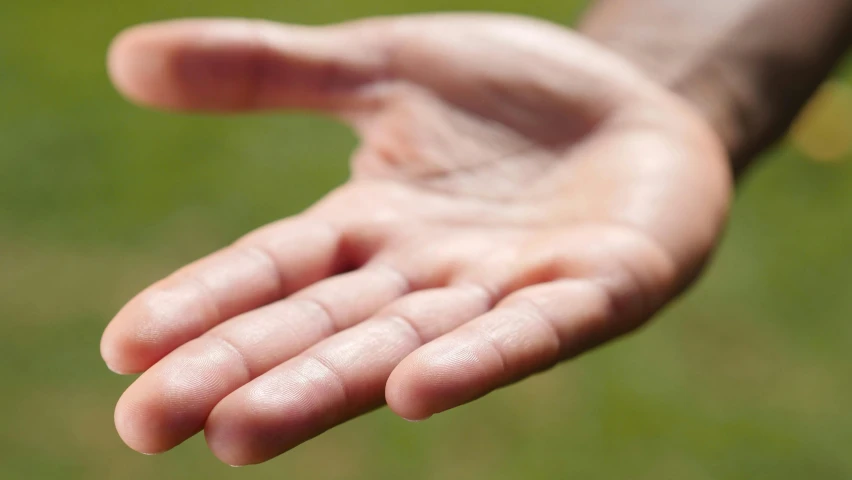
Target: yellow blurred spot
823 131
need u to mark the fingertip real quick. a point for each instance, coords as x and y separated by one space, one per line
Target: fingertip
110 356
113 365
130 423
121 354
430 381
232 433
116 62
224 440
153 324
404 392
411 420
269 416
141 63
171 401
133 340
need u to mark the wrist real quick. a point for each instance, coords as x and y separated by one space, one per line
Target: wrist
735 62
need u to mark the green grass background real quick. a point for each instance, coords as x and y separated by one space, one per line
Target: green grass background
747 377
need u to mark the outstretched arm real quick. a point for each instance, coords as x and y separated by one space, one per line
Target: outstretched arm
520 195
747 65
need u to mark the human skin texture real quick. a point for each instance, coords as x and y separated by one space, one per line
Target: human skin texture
747 66
519 196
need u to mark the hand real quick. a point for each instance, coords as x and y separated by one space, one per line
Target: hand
519 196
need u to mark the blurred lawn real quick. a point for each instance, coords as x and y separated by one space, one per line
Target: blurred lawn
748 377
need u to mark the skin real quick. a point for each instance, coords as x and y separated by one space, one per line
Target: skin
748 66
519 196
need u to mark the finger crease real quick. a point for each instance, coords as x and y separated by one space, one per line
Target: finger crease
325 312
491 341
405 285
260 67
210 298
230 346
337 377
538 315
411 326
262 252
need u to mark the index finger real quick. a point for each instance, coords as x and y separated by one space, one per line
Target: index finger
258 270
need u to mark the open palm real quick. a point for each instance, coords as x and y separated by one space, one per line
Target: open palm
519 196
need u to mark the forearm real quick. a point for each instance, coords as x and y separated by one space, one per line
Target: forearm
747 65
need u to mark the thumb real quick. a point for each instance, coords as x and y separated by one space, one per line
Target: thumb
236 65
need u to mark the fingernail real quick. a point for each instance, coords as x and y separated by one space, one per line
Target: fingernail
115 370
411 420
